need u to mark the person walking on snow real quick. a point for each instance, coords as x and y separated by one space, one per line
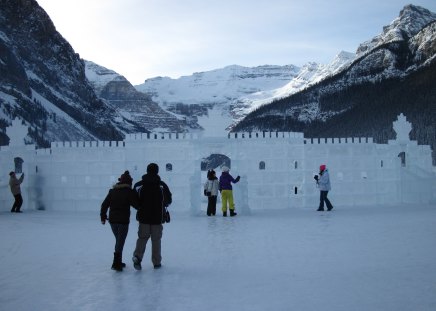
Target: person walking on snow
323 183
154 196
118 201
225 188
211 189
15 183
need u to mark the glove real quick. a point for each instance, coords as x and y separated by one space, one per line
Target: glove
237 178
103 219
316 177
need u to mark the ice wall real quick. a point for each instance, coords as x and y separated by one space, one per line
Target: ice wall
276 170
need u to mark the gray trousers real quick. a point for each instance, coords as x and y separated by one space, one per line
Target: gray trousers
145 231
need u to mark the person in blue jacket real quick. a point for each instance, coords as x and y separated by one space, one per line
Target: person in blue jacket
226 190
323 182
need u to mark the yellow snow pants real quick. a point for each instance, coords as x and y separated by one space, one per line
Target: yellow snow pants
227 196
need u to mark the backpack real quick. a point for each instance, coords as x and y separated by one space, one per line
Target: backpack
166 201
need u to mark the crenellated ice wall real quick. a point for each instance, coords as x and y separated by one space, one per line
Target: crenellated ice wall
276 169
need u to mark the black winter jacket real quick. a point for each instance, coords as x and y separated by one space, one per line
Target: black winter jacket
154 196
119 199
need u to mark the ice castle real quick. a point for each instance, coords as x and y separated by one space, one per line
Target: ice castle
276 169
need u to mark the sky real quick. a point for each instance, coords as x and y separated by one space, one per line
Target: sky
142 39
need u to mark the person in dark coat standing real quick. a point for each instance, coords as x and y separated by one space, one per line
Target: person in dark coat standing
225 187
154 197
14 184
118 201
323 182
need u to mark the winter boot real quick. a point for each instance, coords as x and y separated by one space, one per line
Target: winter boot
121 260
136 263
117 264
320 209
233 213
225 214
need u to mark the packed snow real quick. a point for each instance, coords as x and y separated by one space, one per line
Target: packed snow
355 258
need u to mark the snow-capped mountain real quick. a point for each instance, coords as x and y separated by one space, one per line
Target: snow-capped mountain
211 97
412 19
391 74
309 74
221 97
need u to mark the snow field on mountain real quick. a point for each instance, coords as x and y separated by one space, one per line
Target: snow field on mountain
369 258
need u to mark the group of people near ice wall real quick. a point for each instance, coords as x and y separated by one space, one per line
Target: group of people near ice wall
276 170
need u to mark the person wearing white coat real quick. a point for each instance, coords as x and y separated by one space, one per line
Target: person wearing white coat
211 190
323 182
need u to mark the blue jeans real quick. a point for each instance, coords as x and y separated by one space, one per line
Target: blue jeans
323 198
120 232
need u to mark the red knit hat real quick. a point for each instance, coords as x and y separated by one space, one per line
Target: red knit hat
125 178
322 167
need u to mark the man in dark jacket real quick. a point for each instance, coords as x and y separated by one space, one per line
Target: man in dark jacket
118 200
154 196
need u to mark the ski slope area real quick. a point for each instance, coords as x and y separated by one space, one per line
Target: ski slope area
368 258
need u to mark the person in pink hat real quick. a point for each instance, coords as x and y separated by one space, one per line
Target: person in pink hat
323 183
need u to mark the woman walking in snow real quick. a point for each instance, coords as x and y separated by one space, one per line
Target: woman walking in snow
118 201
323 182
211 190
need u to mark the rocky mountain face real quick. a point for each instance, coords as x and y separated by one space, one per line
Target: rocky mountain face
135 107
394 72
42 81
411 20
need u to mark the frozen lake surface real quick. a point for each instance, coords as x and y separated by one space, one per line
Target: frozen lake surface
369 258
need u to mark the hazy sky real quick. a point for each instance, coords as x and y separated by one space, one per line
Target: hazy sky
142 39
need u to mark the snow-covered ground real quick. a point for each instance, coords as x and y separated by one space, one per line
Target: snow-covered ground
369 258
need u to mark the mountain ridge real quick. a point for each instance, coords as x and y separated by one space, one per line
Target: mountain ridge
63 97
320 110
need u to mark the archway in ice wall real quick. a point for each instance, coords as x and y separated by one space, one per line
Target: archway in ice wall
215 161
18 165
